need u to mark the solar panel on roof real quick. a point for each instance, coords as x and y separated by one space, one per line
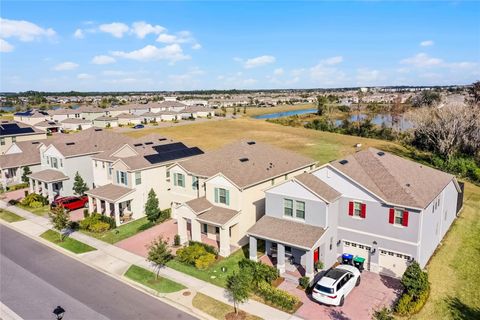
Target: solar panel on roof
13 128
170 147
173 155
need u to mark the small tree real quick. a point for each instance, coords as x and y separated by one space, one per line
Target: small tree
238 287
59 217
159 254
383 314
321 105
79 186
151 207
26 172
415 280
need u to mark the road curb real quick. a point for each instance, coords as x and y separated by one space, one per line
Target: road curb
136 286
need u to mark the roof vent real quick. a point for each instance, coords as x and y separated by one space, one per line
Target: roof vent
251 142
35 142
162 139
381 153
137 144
408 184
343 162
70 143
148 143
243 159
98 129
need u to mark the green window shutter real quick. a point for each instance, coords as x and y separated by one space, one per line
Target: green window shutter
183 181
216 195
118 178
174 178
227 197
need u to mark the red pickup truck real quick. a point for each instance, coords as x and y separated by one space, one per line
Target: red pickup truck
71 203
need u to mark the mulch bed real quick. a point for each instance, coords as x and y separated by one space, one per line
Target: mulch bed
277 282
241 315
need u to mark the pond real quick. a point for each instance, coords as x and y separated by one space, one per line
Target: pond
402 123
285 114
7 108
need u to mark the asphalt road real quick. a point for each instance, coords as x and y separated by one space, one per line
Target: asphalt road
34 279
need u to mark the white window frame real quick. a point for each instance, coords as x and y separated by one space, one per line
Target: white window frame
285 207
138 178
396 211
297 210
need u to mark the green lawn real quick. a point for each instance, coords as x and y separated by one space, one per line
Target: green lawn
42 211
147 278
213 274
9 216
215 308
122 232
70 244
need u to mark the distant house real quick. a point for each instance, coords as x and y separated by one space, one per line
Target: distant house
30 117
11 132
105 122
73 124
127 118
48 126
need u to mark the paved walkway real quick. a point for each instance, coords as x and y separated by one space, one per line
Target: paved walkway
115 261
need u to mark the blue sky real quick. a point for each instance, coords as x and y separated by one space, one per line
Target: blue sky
107 45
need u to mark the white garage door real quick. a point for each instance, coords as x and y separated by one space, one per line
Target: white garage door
392 263
356 249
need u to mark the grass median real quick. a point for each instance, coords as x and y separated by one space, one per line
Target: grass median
215 308
122 232
147 278
9 216
70 244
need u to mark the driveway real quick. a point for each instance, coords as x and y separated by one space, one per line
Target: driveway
138 243
374 292
14 195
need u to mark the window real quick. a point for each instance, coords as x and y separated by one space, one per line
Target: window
103 164
205 228
48 160
399 216
61 163
54 163
288 207
168 174
14 139
2 141
110 169
331 243
179 180
357 209
195 183
300 209
138 178
222 196
122 178
217 230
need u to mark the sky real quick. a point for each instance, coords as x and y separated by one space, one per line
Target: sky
153 45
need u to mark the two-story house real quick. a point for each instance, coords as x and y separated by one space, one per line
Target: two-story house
124 176
63 156
18 156
11 132
386 209
218 196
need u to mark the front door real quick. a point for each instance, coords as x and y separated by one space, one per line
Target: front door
316 255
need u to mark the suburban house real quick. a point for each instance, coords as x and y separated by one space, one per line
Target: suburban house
48 126
63 156
219 195
61 114
125 174
74 124
127 118
30 117
19 155
11 132
372 204
105 122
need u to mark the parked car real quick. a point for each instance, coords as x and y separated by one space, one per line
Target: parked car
71 203
336 284
139 126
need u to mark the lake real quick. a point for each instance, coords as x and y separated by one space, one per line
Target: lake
285 114
403 124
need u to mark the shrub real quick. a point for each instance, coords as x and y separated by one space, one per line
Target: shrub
89 222
176 240
416 292
35 204
259 271
99 227
164 215
17 186
85 213
277 297
207 247
191 253
383 314
34 198
13 202
304 282
205 261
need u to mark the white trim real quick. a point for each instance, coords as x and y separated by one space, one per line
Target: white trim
379 236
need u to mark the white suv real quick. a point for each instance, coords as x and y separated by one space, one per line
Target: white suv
336 284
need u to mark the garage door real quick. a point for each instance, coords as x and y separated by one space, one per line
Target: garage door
392 263
356 249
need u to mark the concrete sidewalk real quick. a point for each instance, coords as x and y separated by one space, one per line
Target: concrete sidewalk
116 261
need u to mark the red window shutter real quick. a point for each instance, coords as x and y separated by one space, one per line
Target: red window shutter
363 212
405 219
350 208
391 219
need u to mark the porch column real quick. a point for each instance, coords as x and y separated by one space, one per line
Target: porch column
99 205
309 264
116 211
31 186
107 209
252 248
50 191
44 189
224 242
196 231
182 230
90 204
268 247
37 186
280 258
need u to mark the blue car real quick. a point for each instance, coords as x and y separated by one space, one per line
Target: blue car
139 126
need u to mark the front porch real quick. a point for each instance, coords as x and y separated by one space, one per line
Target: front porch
48 183
113 201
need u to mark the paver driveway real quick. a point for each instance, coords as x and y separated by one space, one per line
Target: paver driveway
373 292
139 242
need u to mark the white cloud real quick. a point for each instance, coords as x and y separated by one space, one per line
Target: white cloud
167 38
463 65
427 43
84 76
23 30
180 37
79 34
171 53
332 61
259 61
116 29
278 72
103 59
5 46
421 60
64 66
142 29
197 46
367 76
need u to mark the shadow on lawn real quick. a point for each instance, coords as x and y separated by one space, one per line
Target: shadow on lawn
461 311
